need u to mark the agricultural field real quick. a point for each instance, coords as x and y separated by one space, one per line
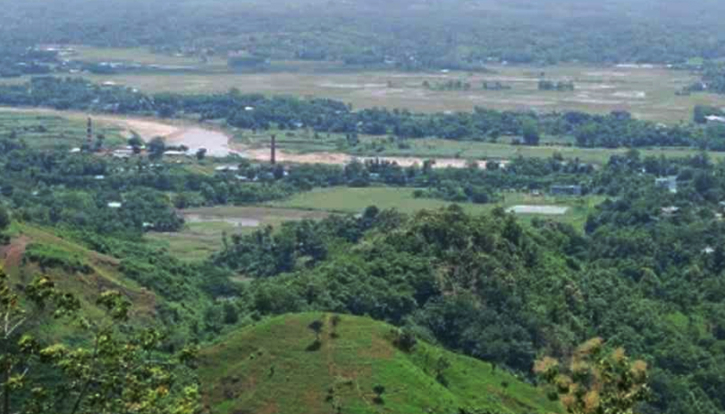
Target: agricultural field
205 227
355 200
48 131
646 91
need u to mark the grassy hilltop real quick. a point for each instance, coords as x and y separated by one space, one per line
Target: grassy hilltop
277 367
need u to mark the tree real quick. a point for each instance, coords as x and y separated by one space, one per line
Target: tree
531 132
316 326
4 218
136 143
379 390
116 372
157 147
596 381
201 154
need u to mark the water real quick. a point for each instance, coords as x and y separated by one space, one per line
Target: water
235 221
546 210
215 142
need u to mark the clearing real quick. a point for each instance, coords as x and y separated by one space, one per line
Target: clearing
203 234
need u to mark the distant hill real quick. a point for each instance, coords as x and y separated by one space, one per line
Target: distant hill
277 367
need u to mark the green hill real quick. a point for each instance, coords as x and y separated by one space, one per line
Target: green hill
276 367
34 250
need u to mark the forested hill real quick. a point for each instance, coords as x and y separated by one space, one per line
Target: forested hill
408 34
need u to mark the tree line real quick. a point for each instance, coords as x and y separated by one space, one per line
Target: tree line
257 112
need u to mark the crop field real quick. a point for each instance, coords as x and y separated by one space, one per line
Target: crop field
648 92
306 142
46 131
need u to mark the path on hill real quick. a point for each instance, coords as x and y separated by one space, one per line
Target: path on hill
219 144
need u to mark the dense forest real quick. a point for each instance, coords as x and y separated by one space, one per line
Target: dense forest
258 112
405 34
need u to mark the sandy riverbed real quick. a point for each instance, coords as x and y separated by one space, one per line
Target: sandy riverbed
218 143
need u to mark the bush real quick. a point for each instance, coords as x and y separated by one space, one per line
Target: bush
405 340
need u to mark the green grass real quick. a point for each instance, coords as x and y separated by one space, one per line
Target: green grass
355 200
439 148
48 131
202 235
272 368
103 274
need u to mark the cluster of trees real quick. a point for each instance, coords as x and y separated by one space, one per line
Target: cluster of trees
15 62
561 86
713 78
643 274
618 129
406 35
129 197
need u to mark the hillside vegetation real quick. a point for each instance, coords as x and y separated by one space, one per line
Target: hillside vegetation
278 367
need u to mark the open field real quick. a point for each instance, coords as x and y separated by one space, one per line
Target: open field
202 235
355 200
205 226
648 92
46 131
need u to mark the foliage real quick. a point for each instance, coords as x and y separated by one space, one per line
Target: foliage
117 371
597 382
617 129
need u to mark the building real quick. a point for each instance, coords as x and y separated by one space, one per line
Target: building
566 190
226 168
670 211
714 119
667 183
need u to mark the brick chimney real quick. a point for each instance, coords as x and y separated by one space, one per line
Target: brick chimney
273 155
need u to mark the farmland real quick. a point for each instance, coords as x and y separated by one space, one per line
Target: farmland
646 91
48 131
205 227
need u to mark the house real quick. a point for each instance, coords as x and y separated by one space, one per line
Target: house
115 204
670 211
566 190
667 183
714 119
226 168
172 153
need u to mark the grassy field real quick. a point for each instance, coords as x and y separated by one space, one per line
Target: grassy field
649 93
46 131
355 200
202 235
273 367
432 148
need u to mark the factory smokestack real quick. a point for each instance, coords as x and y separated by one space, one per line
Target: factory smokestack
89 130
273 155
